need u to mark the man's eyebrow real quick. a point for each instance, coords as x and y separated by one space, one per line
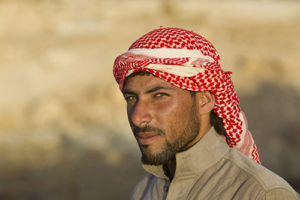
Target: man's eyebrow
158 88
126 91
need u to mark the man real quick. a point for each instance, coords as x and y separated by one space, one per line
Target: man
187 121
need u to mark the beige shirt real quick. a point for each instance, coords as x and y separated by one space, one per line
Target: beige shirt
212 170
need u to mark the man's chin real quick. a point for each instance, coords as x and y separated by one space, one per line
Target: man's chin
156 159
151 161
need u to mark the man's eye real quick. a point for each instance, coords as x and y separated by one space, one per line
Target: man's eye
130 98
160 95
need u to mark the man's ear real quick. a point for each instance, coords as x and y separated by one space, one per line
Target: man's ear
205 102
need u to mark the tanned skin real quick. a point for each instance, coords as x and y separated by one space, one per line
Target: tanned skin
165 119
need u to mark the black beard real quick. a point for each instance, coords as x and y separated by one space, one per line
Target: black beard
168 153
170 149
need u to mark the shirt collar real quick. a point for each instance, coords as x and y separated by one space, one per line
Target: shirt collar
209 150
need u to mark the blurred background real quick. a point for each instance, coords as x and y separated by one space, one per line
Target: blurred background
63 126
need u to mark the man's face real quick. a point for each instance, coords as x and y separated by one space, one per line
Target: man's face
162 117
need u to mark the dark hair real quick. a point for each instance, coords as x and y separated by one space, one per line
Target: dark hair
215 121
139 73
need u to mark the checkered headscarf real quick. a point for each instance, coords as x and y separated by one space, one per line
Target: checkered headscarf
189 61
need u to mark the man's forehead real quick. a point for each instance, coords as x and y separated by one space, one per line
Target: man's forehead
144 82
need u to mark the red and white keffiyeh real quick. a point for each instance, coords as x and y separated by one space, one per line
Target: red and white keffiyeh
189 61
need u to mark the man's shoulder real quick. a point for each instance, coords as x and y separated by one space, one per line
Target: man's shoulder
269 182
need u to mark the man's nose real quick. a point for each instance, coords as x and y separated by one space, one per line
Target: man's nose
140 115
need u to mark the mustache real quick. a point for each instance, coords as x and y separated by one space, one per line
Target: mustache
136 130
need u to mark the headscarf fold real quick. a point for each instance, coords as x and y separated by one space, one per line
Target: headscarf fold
189 61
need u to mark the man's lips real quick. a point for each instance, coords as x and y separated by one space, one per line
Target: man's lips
147 137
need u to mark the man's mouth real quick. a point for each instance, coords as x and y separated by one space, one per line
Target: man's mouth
145 138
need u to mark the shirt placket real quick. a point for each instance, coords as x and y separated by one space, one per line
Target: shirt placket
166 189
